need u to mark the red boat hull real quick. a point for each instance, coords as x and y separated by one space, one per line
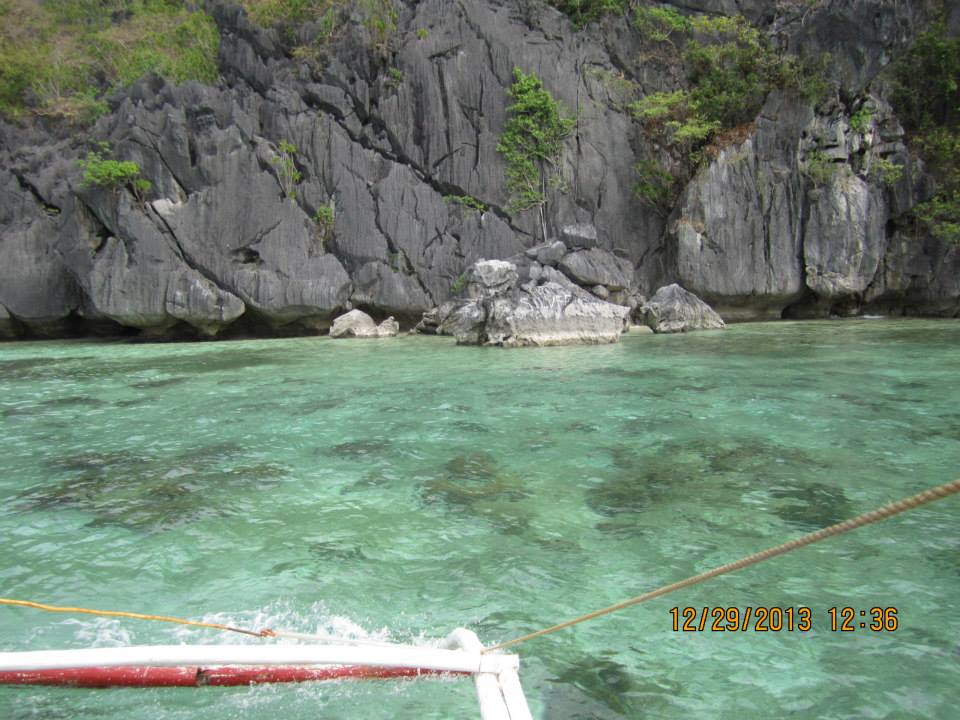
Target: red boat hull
231 676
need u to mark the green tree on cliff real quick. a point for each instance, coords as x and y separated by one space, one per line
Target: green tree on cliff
532 144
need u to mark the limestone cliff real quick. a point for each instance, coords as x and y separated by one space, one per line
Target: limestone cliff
388 135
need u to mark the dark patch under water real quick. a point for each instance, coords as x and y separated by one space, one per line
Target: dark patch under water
473 483
154 384
812 506
360 449
151 494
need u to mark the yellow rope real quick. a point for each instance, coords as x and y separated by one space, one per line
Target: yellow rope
882 513
135 616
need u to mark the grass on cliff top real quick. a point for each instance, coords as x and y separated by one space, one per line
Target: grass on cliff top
328 18
59 58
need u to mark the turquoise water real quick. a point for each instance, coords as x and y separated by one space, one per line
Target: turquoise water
399 488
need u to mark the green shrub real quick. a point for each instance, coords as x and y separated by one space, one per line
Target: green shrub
660 24
657 186
325 217
467 201
586 11
378 16
532 143
731 68
102 172
860 120
819 168
287 173
886 172
459 283
941 216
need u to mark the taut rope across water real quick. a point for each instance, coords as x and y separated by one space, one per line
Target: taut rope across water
894 508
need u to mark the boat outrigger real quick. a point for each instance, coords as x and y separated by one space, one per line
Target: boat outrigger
460 653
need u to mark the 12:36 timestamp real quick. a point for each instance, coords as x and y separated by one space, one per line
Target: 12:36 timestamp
877 619
781 619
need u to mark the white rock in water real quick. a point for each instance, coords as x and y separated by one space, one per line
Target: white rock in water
358 324
674 310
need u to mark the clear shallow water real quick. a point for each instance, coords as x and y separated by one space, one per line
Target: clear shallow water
401 488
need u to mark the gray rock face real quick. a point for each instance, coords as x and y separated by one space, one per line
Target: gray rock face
7 327
357 324
845 238
739 234
223 240
36 286
760 234
672 309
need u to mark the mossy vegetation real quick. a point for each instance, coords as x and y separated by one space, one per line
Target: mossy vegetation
466 201
927 101
61 58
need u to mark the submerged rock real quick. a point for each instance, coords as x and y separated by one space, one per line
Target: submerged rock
358 324
674 310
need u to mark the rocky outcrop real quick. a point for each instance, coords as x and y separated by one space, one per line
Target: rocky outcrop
389 136
767 230
498 312
357 324
672 310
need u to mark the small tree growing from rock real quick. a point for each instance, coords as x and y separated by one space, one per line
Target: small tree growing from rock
532 144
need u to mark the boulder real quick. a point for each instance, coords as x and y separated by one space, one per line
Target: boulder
432 319
601 292
547 254
672 309
597 267
579 236
550 314
465 322
489 278
358 324
543 311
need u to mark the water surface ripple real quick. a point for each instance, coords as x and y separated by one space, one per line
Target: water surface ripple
400 488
